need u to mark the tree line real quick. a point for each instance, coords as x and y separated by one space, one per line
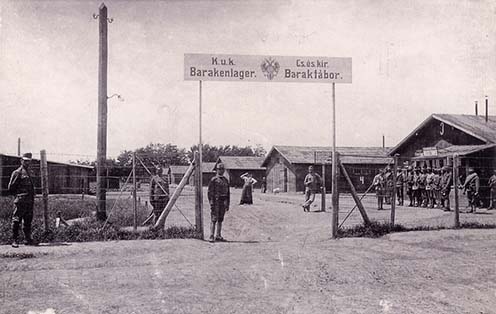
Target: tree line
155 154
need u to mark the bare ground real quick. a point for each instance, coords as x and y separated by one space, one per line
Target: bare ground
279 260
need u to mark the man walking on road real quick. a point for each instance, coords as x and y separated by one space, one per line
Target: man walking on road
219 198
312 184
21 185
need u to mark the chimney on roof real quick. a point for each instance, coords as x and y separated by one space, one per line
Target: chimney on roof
487 108
383 141
476 109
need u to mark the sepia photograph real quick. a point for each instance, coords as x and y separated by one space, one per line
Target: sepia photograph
247 156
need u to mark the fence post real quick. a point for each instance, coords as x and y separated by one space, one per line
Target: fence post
44 186
455 185
323 205
335 196
198 196
393 197
135 210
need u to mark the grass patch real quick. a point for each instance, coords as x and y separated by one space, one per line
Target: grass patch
379 229
74 207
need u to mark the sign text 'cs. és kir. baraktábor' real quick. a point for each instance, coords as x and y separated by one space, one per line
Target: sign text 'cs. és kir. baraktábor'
214 67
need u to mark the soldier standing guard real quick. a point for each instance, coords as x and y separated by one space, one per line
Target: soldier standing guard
159 192
219 198
21 185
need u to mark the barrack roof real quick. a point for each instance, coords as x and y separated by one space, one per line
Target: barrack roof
473 125
312 154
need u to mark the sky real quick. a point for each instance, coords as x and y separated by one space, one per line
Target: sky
410 59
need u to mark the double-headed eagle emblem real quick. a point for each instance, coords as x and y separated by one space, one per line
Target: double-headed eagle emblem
270 68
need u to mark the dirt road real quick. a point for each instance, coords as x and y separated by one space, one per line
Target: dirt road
279 260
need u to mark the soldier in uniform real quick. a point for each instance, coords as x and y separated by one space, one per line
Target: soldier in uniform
492 191
429 187
312 183
422 191
388 185
471 186
417 200
400 180
21 185
436 188
159 192
219 198
409 185
445 186
378 184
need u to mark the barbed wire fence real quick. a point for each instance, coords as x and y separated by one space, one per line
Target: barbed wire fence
71 191
412 193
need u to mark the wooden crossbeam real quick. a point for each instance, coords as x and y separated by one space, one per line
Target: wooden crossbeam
354 194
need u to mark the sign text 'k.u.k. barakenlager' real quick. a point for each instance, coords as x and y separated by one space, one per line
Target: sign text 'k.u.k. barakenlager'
246 68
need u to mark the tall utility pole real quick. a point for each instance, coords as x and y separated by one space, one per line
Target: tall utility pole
19 146
101 153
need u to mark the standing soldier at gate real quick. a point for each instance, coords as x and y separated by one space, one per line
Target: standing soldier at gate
436 182
219 198
21 185
471 186
492 191
159 192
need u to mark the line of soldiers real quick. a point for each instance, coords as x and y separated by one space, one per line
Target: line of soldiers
429 187
425 187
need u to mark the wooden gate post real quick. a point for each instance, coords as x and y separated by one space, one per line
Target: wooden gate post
455 185
335 196
393 197
358 201
44 186
135 207
198 196
323 205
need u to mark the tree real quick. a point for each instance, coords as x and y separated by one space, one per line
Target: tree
212 153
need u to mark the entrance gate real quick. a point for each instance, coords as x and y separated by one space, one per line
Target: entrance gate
252 68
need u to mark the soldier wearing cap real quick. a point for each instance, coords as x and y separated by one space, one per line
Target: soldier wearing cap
219 198
471 186
422 185
378 184
429 187
400 182
436 188
22 186
445 186
417 200
409 185
159 191
388 185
